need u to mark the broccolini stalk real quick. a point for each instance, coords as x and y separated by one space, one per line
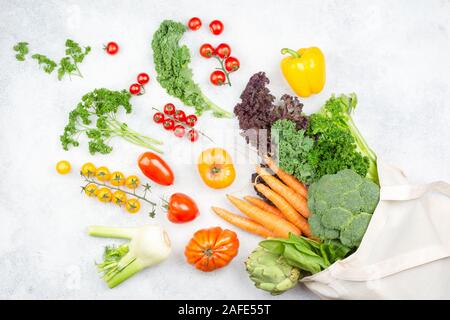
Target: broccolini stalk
149 245
172 65
102 104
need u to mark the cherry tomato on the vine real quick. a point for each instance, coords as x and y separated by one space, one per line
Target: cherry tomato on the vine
191 120
169 124
223 50
169 109
232 64
192 135
180 115
179 131
207 50
216 27
158 117
135 89
111 48
143 78
218 78
194 23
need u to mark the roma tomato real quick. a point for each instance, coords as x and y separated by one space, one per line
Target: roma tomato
211 249
216 27
216 168
155 168
217 78
232 64
206 50
194 23
181 208
223 50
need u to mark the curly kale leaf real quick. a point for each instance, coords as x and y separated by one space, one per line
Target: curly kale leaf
172 65
48 64
339 144
293 148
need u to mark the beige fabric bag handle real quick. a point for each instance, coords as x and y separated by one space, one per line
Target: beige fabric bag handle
404 261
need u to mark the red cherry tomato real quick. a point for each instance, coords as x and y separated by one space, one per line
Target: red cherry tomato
158 117
169 109
191 120
168 124
143 78
206 50
179 131
192 135
223 50
194 23
216 27
181 208
111 48
180 115
218 78
135 89
232 64
155 168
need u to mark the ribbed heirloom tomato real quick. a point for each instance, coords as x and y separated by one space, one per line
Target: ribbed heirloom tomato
216 168
211 249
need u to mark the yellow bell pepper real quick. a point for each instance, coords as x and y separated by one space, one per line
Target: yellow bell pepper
304 70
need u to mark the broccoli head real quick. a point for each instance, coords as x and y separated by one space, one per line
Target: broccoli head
341 206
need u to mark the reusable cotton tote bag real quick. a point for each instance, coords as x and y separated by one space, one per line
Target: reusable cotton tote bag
405 252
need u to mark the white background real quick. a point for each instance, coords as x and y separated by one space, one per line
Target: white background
393 54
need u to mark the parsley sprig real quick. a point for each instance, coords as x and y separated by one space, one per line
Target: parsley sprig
102 104
67 65
22 50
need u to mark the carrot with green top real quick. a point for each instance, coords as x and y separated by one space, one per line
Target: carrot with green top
288 179
278 226
288 211
243 222
295 199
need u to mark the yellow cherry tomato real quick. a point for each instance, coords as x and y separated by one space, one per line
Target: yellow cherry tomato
119 198
103 174
133 182
104 195
63 167
133 205
91 190
117 179
88 170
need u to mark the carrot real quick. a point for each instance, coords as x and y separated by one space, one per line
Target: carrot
296 200
288 211
278 226
288 179
264 205
242 222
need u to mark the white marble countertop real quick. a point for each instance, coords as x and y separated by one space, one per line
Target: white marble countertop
393 54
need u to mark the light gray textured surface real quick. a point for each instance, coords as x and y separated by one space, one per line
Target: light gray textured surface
393 54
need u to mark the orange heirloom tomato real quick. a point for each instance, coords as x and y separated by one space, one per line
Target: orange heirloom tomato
211 249
216 168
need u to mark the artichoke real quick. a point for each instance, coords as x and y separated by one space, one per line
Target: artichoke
271 272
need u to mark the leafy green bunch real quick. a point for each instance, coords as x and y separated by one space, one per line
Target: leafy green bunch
172 65
339 144
102 105
22 50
